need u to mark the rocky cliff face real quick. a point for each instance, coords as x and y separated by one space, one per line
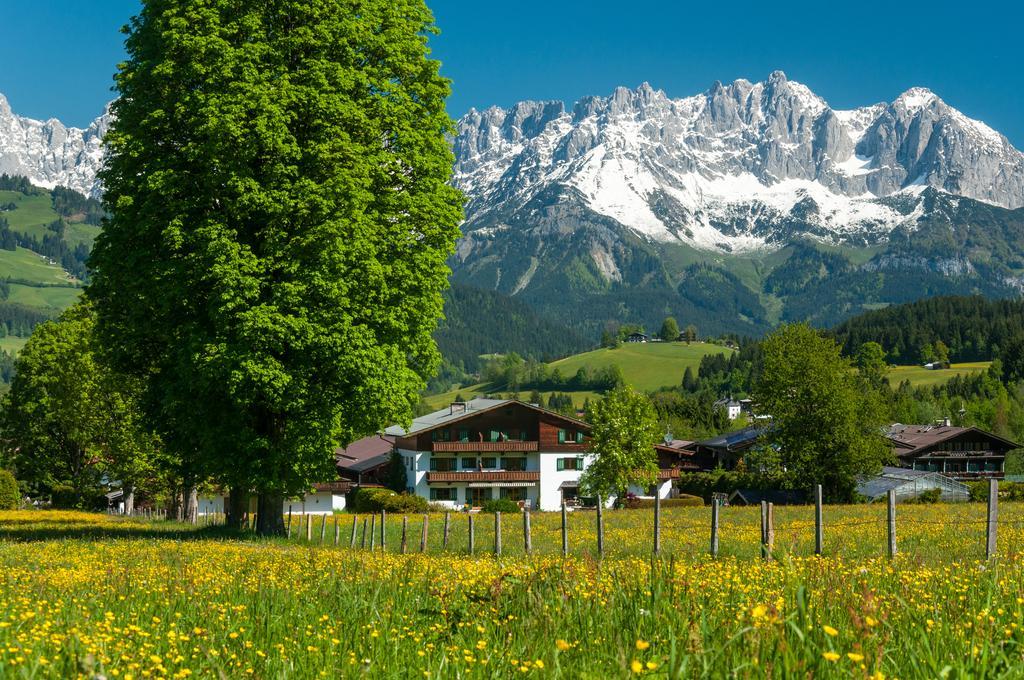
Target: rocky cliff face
744 166
49 153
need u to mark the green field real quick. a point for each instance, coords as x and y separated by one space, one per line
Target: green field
923 377
646 366
11 344
28 266
32 215
90 596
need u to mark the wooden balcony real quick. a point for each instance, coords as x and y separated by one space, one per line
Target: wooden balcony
495 476
484 447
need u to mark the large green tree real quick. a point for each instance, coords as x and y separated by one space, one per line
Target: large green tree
280 220
624 432
826 420
71 420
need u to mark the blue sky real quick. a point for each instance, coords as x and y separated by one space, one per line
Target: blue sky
59 55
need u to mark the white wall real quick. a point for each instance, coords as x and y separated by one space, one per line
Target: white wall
551 478
320 503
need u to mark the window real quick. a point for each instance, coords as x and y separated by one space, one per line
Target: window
514 464
516 494
569 464
478 497
579 437
442 464
441 435
561 436
489 463
495 435
469 463
523 436
446 494
463 435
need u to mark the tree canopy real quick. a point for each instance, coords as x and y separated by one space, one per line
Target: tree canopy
280 218
826 422
624 432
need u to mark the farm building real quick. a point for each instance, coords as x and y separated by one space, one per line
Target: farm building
637 337
910 484
962 453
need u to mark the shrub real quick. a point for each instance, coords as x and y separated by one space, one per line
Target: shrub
682 501
375 499
9 495
500 505
927 497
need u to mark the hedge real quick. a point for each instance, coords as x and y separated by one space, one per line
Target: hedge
9 494
682 501
375 499
500 505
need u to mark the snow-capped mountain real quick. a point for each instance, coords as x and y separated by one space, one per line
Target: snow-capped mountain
50 154
742 167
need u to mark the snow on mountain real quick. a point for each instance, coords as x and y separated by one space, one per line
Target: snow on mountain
50 154
743 166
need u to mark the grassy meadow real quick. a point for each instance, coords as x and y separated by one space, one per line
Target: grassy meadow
923 377
89 596
646 366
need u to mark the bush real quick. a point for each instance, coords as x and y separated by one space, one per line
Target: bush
375 499
682 501
926 497
9 494
500 505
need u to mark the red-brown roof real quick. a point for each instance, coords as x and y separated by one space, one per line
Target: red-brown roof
911 438
365 453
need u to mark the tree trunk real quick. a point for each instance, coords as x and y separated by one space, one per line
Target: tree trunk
190 509
128 498
269 518
238 509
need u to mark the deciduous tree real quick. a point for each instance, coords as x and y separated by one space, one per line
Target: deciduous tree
624 432
826 421
280 220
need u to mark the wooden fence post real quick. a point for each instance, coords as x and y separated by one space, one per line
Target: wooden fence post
714 527
355 523
373 530
764 530
770 531
891 503
565 531
819 531
289 532
337 530
657 522
993 518
600 526
471 536
323 528
362 543
447 529
383 527
527 539
405 528
423 533
497 532
309 527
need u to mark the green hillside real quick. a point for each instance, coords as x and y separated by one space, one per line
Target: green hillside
645 366
919 376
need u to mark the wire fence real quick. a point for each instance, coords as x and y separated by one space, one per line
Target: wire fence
719 531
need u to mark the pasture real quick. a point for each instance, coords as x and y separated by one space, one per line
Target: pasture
86 596
919 376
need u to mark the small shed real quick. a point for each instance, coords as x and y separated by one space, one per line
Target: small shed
637 337
910 484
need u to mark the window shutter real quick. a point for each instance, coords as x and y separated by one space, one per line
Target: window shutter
560 464
579 437
561 436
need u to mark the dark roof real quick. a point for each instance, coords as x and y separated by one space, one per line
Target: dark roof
365 454
912 438
473 407
734 440
774 496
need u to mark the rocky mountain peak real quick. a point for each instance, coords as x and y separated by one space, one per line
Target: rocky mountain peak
729 168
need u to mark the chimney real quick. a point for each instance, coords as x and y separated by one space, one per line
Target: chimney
457 407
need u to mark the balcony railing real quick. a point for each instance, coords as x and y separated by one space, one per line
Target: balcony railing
480 476
484 447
